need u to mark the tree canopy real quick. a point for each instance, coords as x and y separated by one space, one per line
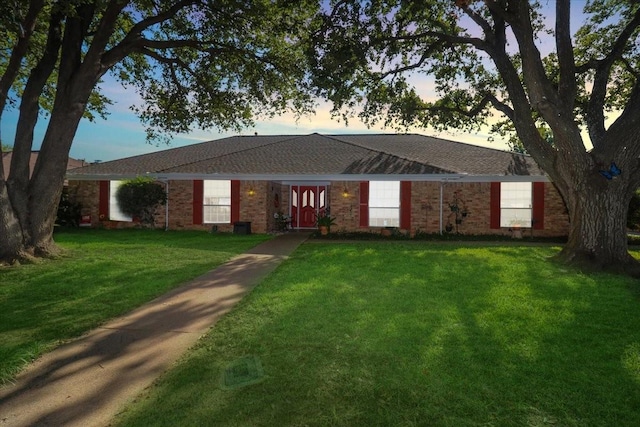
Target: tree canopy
194 63
518 66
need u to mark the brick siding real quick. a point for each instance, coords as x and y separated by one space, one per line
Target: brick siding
343 198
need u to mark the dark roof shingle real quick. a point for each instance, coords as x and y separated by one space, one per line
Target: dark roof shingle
317 154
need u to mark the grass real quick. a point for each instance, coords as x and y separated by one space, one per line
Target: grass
414 334
104 273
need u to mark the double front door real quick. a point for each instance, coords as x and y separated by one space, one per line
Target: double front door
307 201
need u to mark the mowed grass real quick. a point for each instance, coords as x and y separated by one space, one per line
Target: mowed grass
416 334
103 273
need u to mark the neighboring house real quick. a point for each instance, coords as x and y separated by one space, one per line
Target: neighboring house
6 162
410 182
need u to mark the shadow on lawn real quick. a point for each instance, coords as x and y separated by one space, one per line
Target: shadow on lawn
448 337
87 380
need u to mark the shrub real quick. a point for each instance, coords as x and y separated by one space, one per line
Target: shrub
139 197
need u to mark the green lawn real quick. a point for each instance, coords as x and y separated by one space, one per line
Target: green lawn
103 274
415 334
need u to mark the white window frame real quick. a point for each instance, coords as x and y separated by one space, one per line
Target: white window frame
384 204
216 202
115 214
516 204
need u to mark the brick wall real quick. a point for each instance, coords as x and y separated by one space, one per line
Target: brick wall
344 198
425 208
87 194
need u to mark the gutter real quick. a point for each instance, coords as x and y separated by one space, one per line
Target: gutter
463 177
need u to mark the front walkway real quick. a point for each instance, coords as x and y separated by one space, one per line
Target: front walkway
86 382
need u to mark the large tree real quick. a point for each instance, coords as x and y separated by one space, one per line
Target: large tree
521 60
194 62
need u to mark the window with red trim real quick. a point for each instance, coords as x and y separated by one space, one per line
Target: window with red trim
384 203
516 200
216 202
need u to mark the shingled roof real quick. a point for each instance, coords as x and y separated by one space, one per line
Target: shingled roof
318 155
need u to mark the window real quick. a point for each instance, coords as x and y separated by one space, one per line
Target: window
217 202
115 214
515 204
384 203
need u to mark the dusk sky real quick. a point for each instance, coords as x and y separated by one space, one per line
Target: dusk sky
122 134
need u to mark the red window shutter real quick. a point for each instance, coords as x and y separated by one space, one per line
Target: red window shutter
538 205
364 204
198 200
405 205
103 200
235 201
494 203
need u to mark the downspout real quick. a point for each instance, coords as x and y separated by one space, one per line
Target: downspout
441 198
166 207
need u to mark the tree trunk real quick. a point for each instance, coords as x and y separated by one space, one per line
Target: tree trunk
598 232
38 202
12 244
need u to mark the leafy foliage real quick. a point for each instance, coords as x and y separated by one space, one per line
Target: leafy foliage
324 219
193 64
518 67
140 197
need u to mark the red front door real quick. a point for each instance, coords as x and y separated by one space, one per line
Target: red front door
306 202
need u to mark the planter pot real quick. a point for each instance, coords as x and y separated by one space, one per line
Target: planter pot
324 230
386 232
516 233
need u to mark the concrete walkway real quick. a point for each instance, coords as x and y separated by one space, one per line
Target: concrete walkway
86 382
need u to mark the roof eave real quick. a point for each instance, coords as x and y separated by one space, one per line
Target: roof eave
319 177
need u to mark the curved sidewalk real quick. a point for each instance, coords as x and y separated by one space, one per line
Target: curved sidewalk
87 381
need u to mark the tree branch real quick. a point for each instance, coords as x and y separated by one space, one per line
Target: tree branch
104 31
132 40
628 120
595 111
425 55
71 53
475 110
482 23
18 53
567 88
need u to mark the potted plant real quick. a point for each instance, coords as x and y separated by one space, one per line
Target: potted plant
282 221
516 228
324 221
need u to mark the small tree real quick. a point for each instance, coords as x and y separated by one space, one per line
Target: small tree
69 210
140 197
